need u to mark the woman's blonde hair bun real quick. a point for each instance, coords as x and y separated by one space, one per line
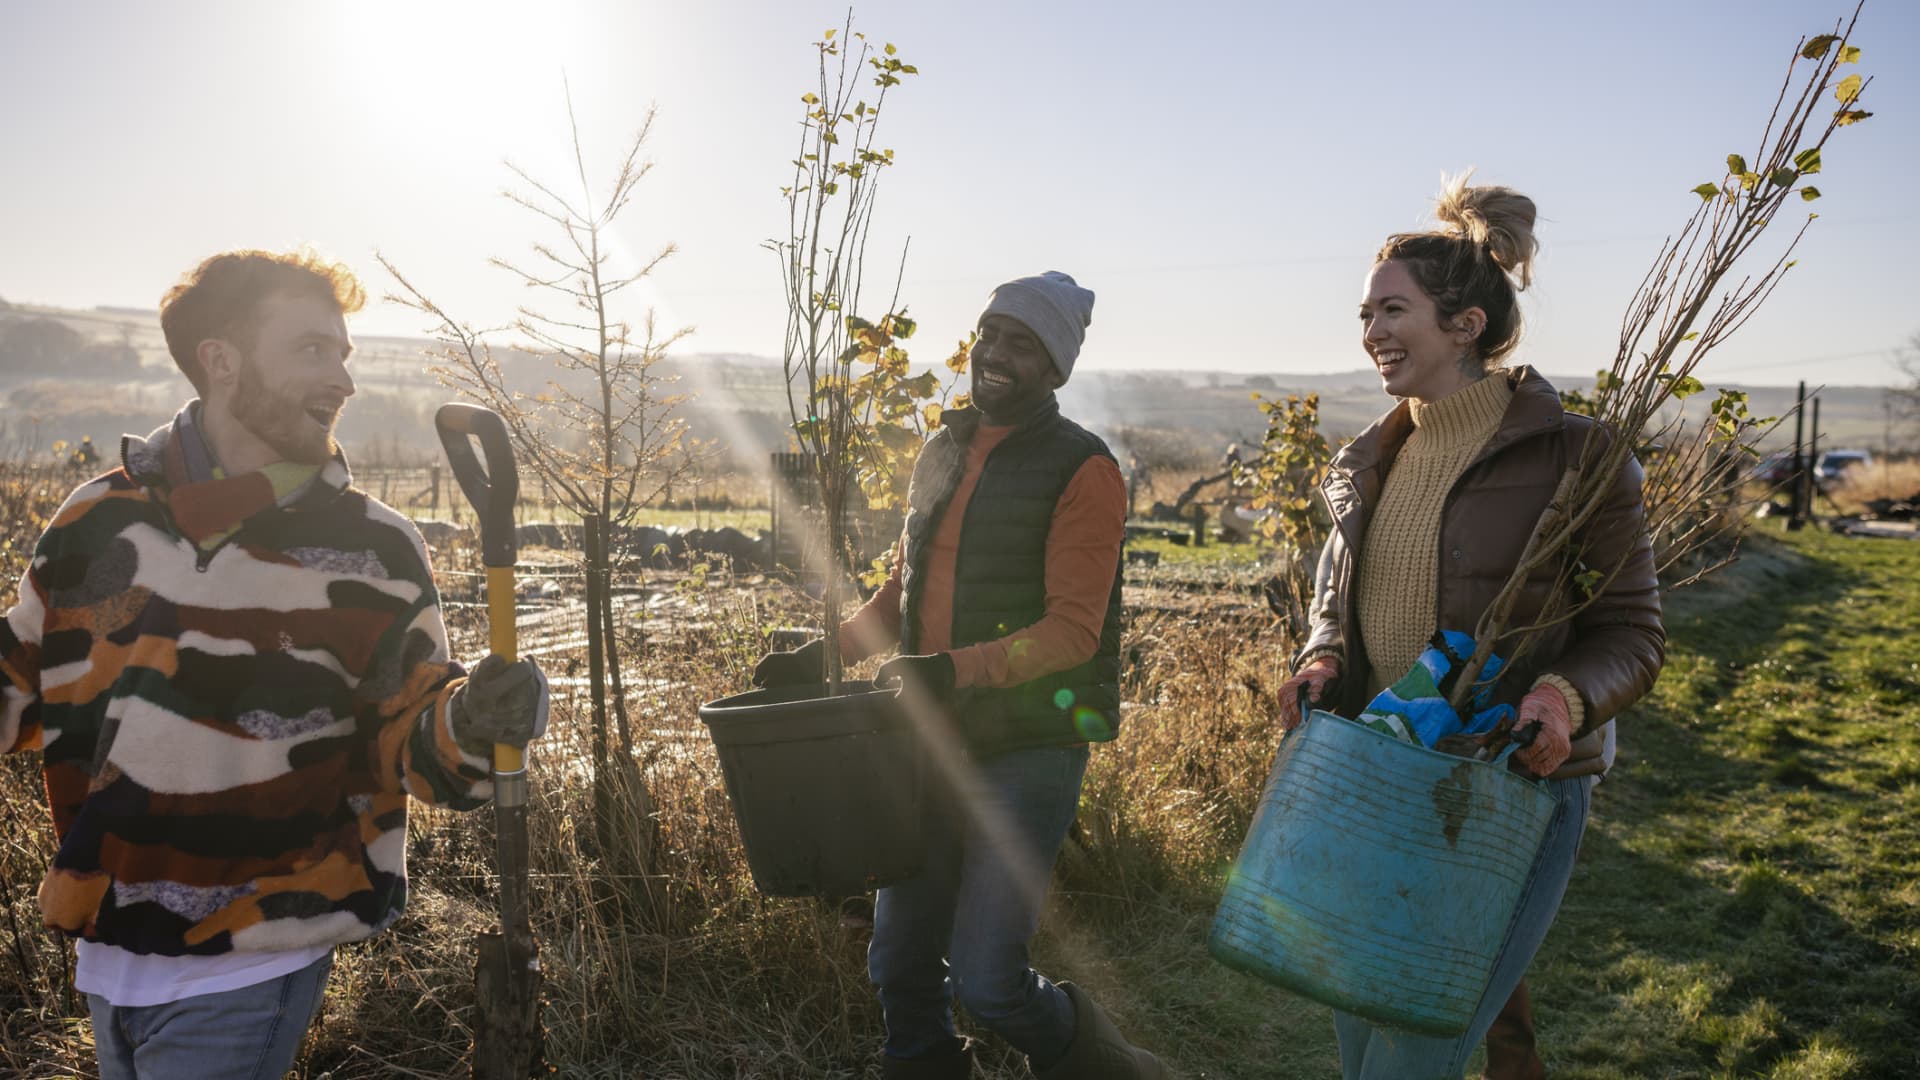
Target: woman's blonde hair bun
1499 219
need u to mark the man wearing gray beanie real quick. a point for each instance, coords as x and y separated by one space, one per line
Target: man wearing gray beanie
1005 602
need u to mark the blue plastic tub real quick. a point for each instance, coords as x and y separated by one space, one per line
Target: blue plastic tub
1380 877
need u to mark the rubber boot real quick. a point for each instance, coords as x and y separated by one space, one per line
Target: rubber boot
954 1066
1098 1050
1510 1048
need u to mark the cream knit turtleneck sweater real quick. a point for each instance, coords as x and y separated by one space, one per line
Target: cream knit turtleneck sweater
1399 568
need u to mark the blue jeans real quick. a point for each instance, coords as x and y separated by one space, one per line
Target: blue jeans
991 840
1374 1053
251 1033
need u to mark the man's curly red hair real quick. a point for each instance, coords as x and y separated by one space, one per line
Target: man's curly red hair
221 298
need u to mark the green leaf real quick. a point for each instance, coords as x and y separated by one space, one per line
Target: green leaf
1749 180
890 49
1736 164
1849 54
1809 193
1807 161
830 33
1783 176
1817 47
1848 91
1686 386
1690 335
1850 116
1707 191
810 99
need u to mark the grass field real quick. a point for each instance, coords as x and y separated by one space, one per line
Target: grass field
1748 900
1747 904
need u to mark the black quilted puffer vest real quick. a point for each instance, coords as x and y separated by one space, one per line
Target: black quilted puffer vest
1000 579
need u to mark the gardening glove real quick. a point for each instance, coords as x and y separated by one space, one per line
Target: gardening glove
931 675
1316 677
1553 741
803 666
499 703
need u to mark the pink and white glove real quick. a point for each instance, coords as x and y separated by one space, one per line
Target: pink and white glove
1316 677
1546 704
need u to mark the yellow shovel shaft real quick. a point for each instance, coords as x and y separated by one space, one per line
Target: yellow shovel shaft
500 638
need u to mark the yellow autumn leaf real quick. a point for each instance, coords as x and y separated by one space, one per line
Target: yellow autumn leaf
961 354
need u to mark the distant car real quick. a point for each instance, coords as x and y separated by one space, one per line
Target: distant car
1774 468
1834 465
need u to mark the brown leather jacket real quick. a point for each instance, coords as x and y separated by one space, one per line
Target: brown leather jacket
1611 651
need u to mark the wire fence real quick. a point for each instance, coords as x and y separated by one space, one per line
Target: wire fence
429 492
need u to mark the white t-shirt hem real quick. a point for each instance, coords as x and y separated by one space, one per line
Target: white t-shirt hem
129 979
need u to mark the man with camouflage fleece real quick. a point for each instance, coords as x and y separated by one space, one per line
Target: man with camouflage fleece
234 667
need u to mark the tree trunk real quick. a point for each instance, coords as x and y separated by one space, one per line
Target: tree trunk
610 633
623 808
594 543
834 568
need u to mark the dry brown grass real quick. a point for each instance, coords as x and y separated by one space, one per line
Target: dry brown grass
1882 480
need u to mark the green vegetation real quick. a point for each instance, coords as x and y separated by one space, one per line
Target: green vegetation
1748 901
1215 553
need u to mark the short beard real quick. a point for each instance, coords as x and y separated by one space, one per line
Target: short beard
279 421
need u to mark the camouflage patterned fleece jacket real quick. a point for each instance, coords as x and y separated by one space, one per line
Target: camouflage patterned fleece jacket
233 690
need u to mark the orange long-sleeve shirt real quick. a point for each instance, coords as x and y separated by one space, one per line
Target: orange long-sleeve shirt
1083 552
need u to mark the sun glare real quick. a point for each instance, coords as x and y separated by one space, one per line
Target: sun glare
444 74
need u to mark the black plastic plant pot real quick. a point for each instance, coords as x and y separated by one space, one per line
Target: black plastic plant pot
828 791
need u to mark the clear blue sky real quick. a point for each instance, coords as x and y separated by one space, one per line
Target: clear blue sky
1219 173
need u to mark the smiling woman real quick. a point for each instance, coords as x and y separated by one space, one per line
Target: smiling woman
1430 505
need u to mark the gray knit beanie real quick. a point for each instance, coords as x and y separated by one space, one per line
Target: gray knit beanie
1053 307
